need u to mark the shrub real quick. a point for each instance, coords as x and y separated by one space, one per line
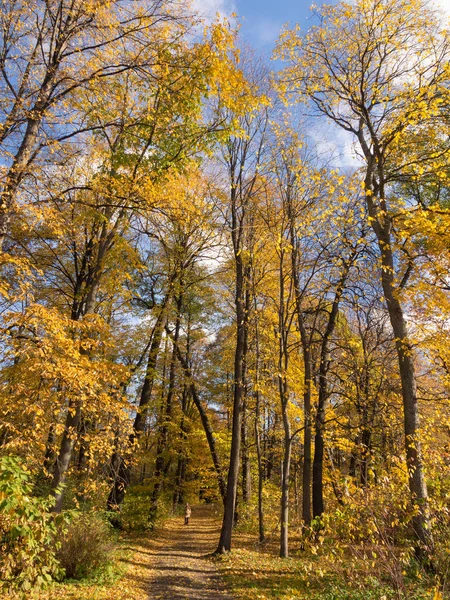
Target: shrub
86 545
135 511
28 531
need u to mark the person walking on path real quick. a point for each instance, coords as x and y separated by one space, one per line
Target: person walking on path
187 514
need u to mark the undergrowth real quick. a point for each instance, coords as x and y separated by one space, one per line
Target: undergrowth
255 574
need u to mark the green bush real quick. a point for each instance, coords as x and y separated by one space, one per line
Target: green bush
28 531
86 546
135 511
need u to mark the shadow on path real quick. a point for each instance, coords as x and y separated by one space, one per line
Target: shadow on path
180 566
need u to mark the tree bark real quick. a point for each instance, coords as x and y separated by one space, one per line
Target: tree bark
177 497
239 357
261 528
166 416
307 435
317 484
21 161
50 456
308 372
382 227
286 472
414 461
65 453
246 473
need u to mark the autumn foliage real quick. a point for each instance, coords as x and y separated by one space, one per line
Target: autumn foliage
200 304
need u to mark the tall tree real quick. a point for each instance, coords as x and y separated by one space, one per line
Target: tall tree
374 67
242 158
52 51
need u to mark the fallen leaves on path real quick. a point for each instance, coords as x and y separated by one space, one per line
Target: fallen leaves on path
171 563
181 566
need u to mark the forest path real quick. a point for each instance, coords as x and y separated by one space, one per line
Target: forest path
180 566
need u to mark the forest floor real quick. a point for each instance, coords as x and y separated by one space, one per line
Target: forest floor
180 564
174 563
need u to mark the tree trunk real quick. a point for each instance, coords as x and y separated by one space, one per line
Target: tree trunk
246 474
308 372
262 535
414 461
307 436
21 162
382 227
177 497
246 467
366 442
317 485
50 456
204 419
286 469
239 358
166 416
65 453
317 472
271 442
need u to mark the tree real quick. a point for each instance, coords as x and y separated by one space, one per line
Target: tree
181 231
150 133
374 68
320 266
50 53
242 156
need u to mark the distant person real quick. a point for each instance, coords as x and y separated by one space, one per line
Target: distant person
187 514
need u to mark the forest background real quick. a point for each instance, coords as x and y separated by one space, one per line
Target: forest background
210 293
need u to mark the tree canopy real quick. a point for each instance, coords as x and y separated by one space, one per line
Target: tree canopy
198 303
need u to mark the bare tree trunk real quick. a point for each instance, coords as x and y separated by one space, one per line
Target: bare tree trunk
166 416
50 456
239 357
286 470
271 441
382 227
317 485
366 442
317 471
284 322
65 453
262 535
177 497
414 461
308 372
307 439
246 474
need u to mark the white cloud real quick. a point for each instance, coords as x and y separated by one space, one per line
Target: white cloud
334 144
210 8
443 4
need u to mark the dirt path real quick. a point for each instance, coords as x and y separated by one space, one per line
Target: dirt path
180 567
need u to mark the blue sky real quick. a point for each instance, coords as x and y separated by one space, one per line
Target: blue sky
262 20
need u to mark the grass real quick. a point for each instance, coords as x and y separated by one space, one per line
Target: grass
126 576
253 573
